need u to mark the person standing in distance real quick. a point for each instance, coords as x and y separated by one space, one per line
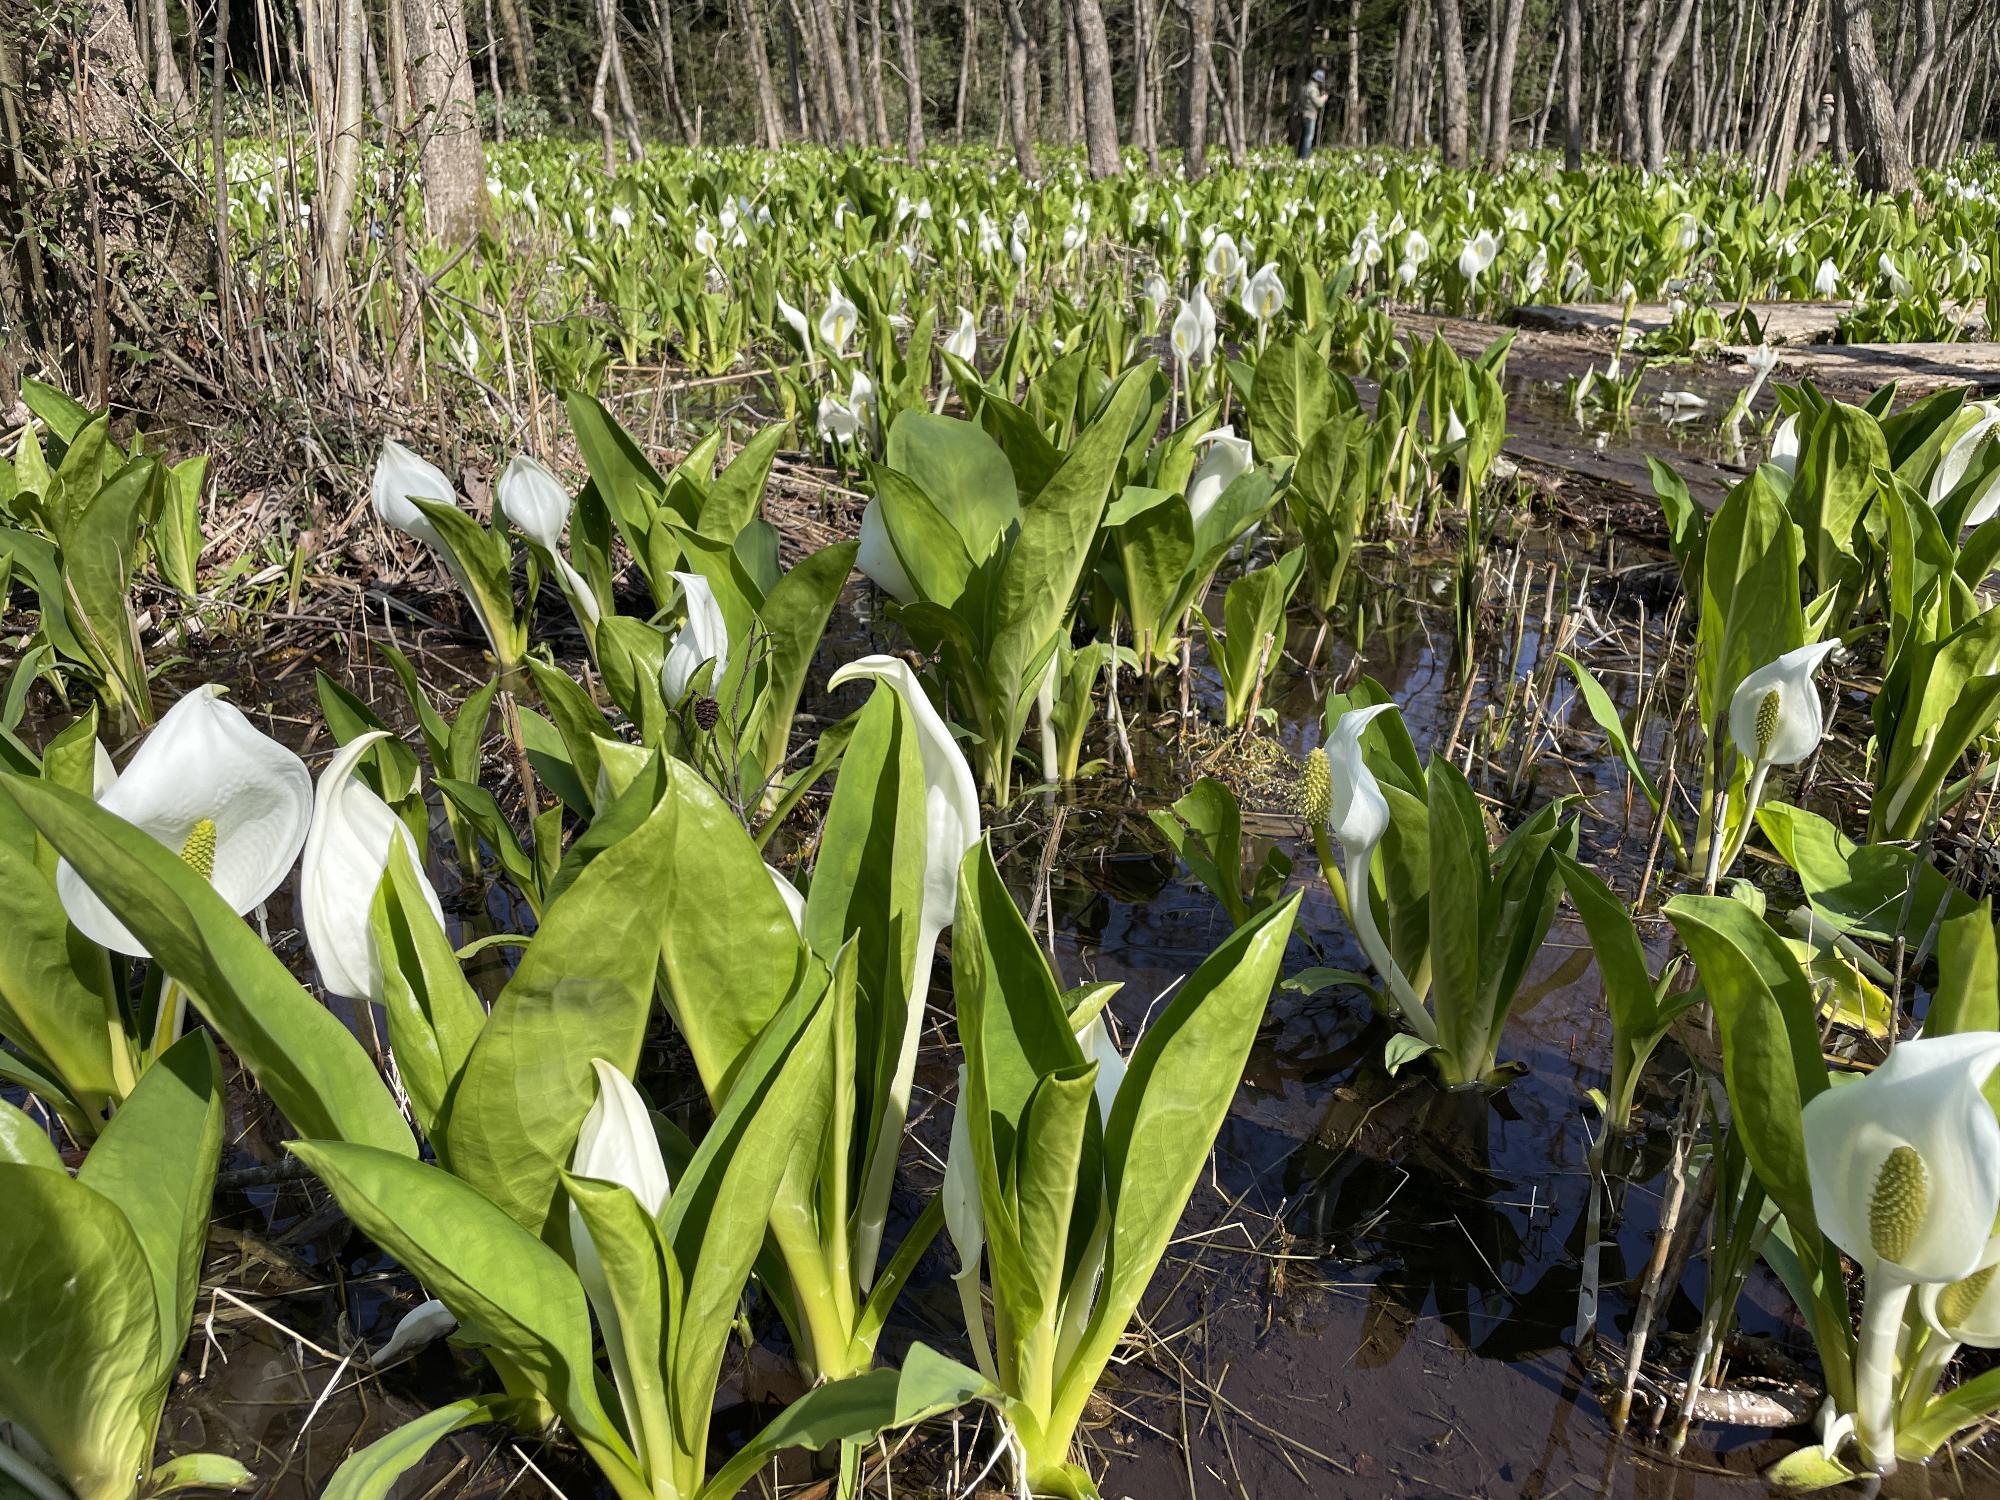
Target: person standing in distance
1312 99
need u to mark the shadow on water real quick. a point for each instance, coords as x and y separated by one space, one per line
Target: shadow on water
1374 1292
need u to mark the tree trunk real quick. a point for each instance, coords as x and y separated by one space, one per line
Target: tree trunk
1403 80
1632 45
1883 162
167 81
1100 118
1194 94
877 96
1500 107
1451 48
1018 124
904 13
1656 83
520 44
1919 74
1350 110
670 83
1573 86
1145 118
968 32
341 152
453 167
770 113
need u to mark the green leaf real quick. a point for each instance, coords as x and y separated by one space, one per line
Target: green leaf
629 486
372 1472
928 1385
300 1053
201 1471
1770 1045
1292 397
1178 1086
1967 997
584 990
625 1239
1806 1469
1863 890
23 1141
733 499
434 1015
156 1160
79 1331
795 613
508 1290
961 470
57 994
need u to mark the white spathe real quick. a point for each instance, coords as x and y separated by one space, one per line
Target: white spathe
963 342
537 504
400 474
1264 293
838 319
346 856
951 827
1958 458
877 557
703 638
1795 722
1228 458
1358 816
203 764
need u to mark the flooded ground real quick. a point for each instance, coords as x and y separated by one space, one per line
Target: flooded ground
1375 1291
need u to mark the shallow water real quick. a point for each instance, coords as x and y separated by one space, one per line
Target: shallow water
1374 1292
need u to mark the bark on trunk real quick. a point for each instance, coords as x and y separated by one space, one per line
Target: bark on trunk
1656 84
1632 48
670 83
1194 94
520 43
1573 87
1019 127
452 166
1145 72
1883 163
1451 48
905 13
1350 111
1500 107
1100 117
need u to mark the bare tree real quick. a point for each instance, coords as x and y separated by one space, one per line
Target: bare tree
1573 87
1100 118
1145 73
670 83
453 167
1194 92
1451 47
1632 41
1019 126
904 13
1671 37
1883 165
1500 98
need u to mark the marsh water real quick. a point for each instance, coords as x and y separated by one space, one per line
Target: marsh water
1375 1289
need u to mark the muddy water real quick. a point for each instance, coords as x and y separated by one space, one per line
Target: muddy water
1374 1292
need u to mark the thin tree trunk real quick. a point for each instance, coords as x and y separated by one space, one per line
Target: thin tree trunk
1100 118
1145 119
1632 45
1573 86
1500 112
341 151
670 83
1451 49
520 44
1656 83
1194 94
1018 123
905 14
1350 109
968 30
1548 108
770 113
493 77
877 95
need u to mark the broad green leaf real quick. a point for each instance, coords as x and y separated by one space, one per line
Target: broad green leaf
508 1290
434 1015
301 1055
156 1160
1292 398
964 473
23 1141
584 990
79 1329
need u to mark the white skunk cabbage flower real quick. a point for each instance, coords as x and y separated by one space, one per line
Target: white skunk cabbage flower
1264 293
1826 281
233 803
1228 459
1224 262
795 318
1775 719
963 342
1905 1173
877 558
838 320
1958 458
951 827
617 1145
423 1324
1478 255
399 474
794 899
1352 808
838 421
704 638
1784 452
536 504
346 856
